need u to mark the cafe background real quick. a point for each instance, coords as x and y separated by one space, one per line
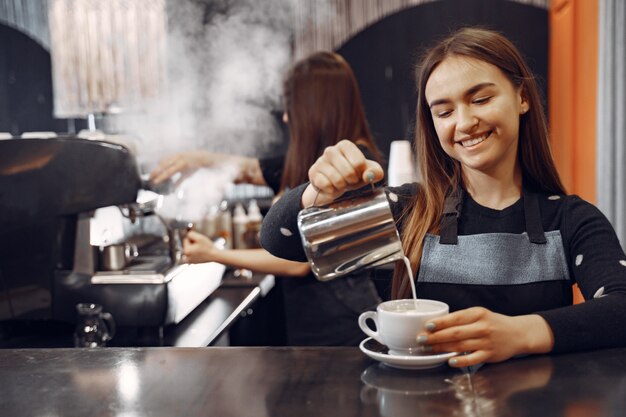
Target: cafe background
164 76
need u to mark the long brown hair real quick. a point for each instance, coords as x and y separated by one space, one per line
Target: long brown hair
323 104
441 173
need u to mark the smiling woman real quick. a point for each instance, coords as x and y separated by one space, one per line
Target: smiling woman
490 230
476 113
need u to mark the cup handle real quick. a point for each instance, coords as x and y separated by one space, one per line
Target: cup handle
109 323
369 394
367 329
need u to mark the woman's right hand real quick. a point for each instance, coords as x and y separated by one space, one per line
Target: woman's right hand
341 168
246 169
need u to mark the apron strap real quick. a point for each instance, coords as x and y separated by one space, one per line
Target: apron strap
448 231
532 215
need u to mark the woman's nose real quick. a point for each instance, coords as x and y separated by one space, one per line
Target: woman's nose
466 120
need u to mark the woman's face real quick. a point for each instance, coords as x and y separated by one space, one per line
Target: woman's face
476 111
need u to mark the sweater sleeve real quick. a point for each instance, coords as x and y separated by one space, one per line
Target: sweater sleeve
598 266
272 170
280 235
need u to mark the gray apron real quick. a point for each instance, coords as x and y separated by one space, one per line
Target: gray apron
493 258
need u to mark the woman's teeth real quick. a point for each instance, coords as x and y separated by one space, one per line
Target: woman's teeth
475 141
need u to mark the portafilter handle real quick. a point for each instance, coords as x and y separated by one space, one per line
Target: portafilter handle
176 232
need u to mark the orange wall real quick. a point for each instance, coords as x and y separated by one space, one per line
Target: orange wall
572 90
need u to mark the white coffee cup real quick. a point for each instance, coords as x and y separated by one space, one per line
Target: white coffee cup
398 323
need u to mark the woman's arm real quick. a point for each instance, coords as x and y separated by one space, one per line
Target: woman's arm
198 248
598 265
248 169
341 168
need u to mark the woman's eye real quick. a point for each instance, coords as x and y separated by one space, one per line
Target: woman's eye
481 100
443 114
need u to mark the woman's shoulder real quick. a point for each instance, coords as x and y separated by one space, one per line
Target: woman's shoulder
572 210
564 201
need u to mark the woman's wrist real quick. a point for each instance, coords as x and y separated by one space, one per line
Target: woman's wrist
537 334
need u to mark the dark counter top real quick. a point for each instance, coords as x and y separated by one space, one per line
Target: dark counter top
244 381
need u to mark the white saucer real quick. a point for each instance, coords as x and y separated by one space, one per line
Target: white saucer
375 350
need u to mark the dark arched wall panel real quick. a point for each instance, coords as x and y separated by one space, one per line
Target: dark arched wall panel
25 85
384 54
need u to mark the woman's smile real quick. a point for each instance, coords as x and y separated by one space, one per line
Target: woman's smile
471 142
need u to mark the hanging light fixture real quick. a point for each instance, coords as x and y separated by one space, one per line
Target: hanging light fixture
107 56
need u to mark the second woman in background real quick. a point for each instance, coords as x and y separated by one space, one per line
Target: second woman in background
322 107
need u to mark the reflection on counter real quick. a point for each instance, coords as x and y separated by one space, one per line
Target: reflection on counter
399 393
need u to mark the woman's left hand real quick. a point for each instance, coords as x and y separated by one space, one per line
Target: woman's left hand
198 248
487 336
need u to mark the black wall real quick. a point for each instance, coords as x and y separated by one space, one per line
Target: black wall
384 55
25 85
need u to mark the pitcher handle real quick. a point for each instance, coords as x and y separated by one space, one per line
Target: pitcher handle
110 325
367 329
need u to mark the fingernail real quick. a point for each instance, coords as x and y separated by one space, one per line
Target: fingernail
431 326
421 339
453 362
370 176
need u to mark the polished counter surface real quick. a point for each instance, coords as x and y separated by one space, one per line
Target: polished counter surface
244 381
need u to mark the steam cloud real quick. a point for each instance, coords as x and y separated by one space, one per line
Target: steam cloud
226 63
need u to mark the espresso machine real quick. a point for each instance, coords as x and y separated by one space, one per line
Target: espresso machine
52 193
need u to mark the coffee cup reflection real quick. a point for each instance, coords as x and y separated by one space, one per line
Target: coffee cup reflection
399 393
398 322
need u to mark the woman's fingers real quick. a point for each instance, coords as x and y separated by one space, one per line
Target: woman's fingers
167 168
495 337
456 335
461 325
192 236
473 358
197 248
460 317
343 167
373 172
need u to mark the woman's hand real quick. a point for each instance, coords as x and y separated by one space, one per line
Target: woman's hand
247 170
198 248
341 168
181 163
487 336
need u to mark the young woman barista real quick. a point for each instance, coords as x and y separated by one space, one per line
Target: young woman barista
323 106
490 230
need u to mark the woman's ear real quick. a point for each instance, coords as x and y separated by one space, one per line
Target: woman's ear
524 104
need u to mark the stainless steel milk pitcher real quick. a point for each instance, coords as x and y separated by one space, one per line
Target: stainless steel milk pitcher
349 234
